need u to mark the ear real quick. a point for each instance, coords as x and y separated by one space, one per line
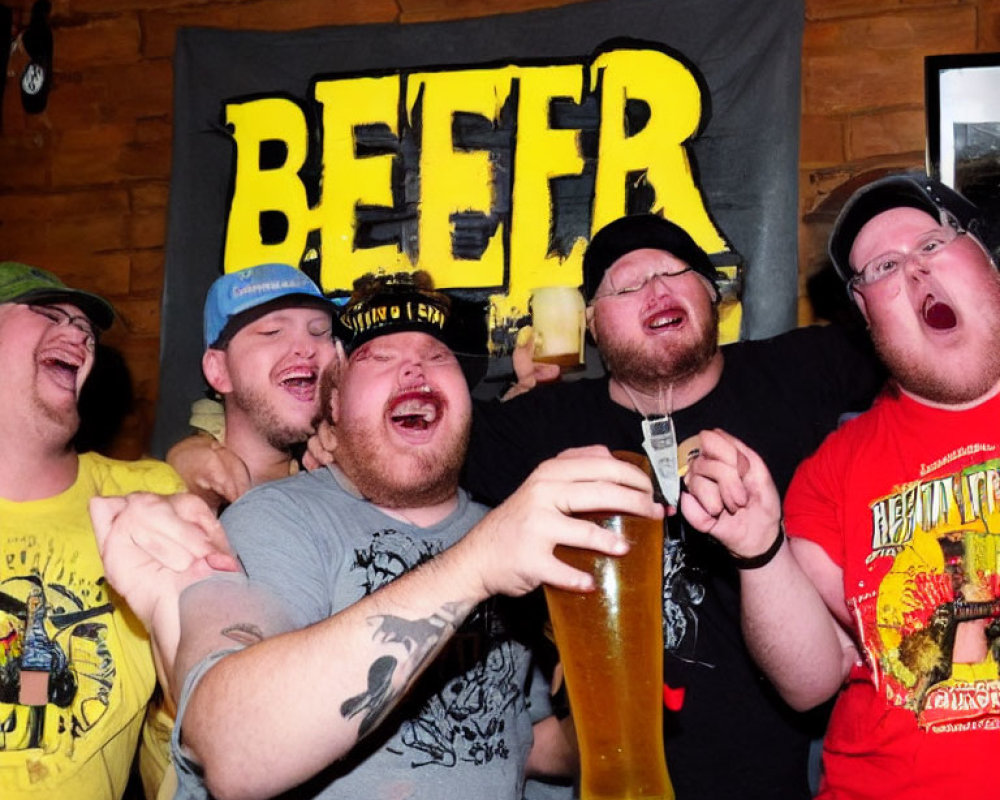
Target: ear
859 301
216 370
589 315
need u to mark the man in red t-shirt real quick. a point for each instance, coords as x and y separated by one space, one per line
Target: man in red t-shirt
889 592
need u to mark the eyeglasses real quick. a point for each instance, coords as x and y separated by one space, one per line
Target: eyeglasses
638 284
59 316
929 246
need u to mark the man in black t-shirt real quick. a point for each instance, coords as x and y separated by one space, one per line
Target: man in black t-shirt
652 312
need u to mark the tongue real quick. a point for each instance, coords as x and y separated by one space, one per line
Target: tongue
939 316
301 388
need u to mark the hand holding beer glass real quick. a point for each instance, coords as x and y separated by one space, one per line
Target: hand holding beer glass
610 642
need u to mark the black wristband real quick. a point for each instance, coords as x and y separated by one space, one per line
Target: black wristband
754 562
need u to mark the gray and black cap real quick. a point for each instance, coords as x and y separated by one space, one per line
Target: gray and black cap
913 190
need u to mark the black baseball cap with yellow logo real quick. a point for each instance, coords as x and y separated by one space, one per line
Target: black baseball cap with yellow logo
394 303
382 304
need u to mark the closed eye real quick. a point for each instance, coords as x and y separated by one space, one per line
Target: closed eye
48 313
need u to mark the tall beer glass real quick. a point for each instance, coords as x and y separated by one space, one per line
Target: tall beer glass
611 645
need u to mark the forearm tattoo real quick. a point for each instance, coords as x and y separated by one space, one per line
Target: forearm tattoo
422 639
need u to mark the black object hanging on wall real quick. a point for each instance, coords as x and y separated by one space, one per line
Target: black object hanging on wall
6 36
36 80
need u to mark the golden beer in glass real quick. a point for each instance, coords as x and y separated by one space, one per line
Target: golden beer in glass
558 318
610 642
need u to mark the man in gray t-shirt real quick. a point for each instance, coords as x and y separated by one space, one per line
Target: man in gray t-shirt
466 718
365 656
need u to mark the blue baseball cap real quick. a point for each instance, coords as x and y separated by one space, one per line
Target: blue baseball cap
238 298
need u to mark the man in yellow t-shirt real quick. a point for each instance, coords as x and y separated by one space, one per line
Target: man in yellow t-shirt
76 670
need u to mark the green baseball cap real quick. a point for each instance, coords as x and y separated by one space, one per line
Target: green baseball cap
21 283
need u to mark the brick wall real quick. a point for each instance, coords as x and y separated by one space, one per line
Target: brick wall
863 97
83 187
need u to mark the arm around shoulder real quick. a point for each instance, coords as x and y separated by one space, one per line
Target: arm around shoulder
210 469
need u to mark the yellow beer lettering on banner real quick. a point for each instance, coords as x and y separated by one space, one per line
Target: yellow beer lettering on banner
657 151
542 154
349 180
453 181
674 99
275 189
460 177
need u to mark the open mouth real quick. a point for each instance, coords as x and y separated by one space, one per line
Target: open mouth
415 410
664 320
938 315
62 371
300 382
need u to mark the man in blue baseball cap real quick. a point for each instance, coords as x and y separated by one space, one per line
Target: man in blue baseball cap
267 340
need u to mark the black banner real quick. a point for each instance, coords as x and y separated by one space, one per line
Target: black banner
486 151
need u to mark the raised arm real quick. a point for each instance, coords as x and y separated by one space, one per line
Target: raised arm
791 595
358 663
152 547
528 372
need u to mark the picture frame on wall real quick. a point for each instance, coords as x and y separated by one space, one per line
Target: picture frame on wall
962 95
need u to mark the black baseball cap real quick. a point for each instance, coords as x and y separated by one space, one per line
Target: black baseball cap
640 232
908 190
382 304
394 303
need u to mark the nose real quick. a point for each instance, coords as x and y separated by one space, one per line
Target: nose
305 344
76 334
411 370
659 284
915 264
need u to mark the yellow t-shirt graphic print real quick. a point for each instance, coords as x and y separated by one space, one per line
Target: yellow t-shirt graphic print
76 670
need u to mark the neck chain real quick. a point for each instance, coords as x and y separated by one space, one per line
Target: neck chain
668 405
659 440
